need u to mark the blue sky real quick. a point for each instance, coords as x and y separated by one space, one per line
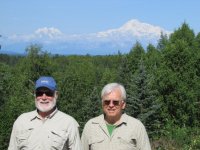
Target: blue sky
23 18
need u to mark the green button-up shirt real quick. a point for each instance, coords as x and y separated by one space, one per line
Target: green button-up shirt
58 131
129 134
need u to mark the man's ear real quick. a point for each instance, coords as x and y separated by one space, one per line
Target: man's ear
56 94
124 105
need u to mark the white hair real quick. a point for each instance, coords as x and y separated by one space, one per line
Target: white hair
111 87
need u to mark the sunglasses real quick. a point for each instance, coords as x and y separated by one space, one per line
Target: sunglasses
47 93
115 102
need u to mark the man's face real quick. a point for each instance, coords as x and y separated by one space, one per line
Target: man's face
113 104
45 99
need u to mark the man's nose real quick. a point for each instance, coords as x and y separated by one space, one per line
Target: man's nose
111 104
44 96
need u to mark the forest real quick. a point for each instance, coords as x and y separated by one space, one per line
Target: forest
162 84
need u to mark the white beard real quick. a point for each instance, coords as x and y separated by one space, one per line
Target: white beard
45 107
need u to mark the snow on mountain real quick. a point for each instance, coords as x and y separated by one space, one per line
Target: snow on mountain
49 32
112 40
134 28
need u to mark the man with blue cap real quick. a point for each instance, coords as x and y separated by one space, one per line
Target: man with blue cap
45 128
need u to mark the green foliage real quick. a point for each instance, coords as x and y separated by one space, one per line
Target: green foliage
195 143
163 41
91 107
135 55
76 85
37 62
5 74
142 100
10 60
130 63
177 138
177 79
183 33
152 58
5 86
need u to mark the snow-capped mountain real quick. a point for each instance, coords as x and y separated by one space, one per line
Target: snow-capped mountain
103 42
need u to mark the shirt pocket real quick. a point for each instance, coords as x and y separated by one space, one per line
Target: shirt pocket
127 143
96 143
58 138
22 138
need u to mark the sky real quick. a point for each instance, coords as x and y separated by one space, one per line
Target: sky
77 27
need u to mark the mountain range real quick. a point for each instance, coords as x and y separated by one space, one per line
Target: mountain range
106 42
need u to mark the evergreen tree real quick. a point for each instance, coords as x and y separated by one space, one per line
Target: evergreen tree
152 59
178 77
92 106
130 63
163 41
142 99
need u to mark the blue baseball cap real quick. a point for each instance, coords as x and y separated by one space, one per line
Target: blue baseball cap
46 81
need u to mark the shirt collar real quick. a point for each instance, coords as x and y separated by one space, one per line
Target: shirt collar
53 113
123 119
37 116
101 121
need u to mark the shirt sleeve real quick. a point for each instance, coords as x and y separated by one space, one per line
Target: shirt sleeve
74 137
13 142
84 139
144 143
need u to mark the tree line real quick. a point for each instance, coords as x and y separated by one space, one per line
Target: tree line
162 83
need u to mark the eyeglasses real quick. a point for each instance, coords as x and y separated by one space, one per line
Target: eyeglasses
115 102
47 93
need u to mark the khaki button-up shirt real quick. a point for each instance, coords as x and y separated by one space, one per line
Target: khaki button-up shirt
130 134
58 131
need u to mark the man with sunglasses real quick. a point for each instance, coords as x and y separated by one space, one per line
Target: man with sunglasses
114 130
45 128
